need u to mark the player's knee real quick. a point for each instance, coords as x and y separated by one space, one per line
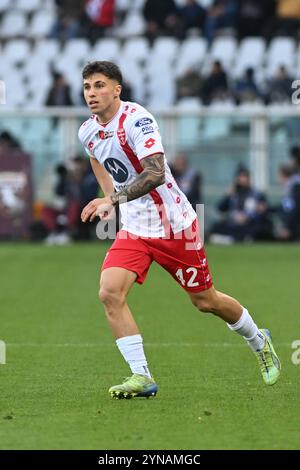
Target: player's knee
205 305
111 297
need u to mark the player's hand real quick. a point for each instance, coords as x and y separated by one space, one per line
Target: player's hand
99 206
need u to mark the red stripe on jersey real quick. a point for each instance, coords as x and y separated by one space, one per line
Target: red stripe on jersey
138 168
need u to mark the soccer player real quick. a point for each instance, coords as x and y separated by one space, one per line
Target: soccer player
158 224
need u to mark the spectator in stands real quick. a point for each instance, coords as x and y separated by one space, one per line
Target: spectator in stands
187 178
246 210
290 205
68 21
246 89
222 14
99 16
15 189
295 158
215 86
74 187
8 142
161 18
279 88
189 84
83 187
192 15
252 16
286 21
59 93
53 213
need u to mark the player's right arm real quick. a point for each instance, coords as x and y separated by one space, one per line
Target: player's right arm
103 178
106 184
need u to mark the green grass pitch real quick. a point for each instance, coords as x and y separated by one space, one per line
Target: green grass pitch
61 358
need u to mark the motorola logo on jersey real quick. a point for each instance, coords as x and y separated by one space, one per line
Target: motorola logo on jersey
117 169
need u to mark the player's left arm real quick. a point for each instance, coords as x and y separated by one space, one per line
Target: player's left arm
152 176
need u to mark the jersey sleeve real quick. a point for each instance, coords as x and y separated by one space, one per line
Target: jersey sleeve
89 154
145 136
83 133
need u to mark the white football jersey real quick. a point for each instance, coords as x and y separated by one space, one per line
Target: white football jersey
119 146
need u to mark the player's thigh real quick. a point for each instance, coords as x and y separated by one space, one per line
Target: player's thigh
115 282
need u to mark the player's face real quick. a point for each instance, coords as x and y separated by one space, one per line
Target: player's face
101 93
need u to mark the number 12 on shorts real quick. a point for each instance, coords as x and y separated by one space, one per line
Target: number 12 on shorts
187 277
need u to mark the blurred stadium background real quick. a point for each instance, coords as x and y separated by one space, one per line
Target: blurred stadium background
241 114
218 76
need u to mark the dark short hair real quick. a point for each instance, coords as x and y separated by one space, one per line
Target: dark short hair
109 69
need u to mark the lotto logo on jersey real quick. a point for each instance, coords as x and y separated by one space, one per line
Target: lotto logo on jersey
149 143
143 122
121 136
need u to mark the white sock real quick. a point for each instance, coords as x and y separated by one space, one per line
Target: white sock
131 348
246 327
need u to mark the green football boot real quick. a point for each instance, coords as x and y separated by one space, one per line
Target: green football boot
268 360
135 386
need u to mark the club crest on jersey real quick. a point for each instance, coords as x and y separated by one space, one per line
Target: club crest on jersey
143 122
91 145
117 169
106 134
121 135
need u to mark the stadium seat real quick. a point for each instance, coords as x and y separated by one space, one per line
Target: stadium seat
16 93
164 50
14 24
5 5
123 5
297 62
16 51
251 53
41 23
222 49
135 76
136 49
106 49
137 4
49 5
190 55
38 90
41 69
28 5
162 90
47 49
281 52
76 51
133 25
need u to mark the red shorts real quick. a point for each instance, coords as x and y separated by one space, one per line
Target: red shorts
183 256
